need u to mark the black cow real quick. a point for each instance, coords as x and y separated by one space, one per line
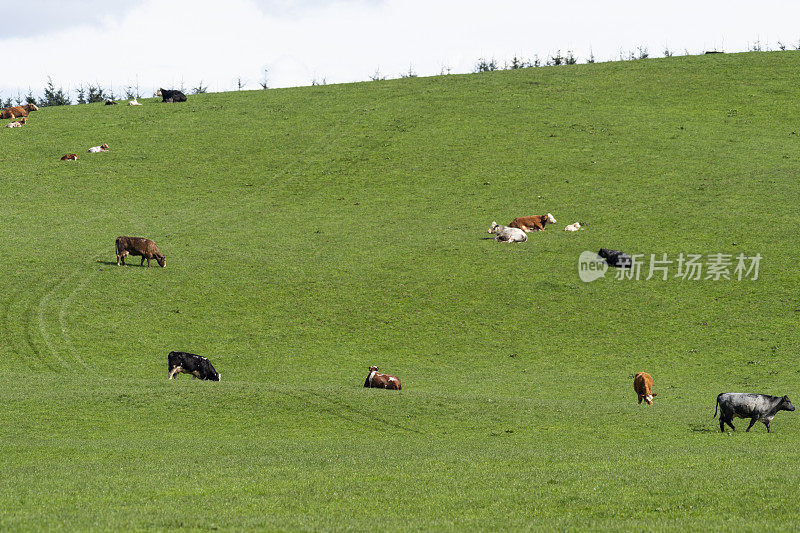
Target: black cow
615 258
189 363
753 406
171 96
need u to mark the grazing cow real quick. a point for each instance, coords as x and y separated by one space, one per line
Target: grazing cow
139 246
18 111
18 123
643 385
69 157
615 258
96 149
573 227
109 101
377 380
753 406
534 223
171 96
506 234
134 102
189 363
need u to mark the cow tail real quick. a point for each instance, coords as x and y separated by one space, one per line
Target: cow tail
715 407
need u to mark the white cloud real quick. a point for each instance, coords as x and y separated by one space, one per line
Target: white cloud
346 40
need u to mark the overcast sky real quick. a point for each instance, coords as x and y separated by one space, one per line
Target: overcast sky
172 42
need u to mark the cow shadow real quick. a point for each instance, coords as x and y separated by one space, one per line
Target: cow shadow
114 263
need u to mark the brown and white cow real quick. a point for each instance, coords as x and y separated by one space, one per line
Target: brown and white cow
381 381
18 124
17 111
532 223
69 157
97 149
643 385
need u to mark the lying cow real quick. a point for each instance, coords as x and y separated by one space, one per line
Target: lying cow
134 102
109 101
753 406
97 149
18 111
615 258
18 123
534 223
139 246
69 157
506 234
377 380
643 385
573 227
171 96
189 363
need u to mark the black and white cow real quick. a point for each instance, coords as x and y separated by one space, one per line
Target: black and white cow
170 96
615 258
189 363
753 406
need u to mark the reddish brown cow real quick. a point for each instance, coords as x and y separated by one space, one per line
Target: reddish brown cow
381 381
69 157
17 111
643 385
533 223
139 246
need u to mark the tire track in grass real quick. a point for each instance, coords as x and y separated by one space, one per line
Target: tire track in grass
28 319
80 281
356 414
15 339
62 320
41 305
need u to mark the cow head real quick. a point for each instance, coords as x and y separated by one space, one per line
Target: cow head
550 219
31 107
104 146
786 405
214 376
159 92
373 368
492 227
161 260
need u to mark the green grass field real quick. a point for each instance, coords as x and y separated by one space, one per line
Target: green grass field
312 232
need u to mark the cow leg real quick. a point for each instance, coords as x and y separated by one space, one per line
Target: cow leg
721 425
148 262
752 423
766 423
142 263
174 371
640 400
730 423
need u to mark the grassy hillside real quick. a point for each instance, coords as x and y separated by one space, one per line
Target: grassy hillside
312 232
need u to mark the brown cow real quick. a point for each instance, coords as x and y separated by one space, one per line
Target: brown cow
643 385
69 157
139 246
381 381
533 223
18 111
